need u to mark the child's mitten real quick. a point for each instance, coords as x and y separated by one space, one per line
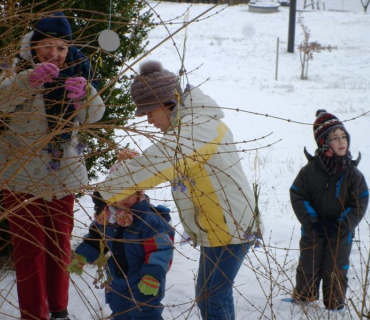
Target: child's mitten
149 285
77 264
325 229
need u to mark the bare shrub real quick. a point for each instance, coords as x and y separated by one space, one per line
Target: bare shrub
307 48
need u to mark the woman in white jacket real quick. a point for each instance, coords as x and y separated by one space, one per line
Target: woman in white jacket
44 98
198 156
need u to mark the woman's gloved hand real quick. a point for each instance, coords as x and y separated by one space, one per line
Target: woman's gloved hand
44 72
76 87
127 154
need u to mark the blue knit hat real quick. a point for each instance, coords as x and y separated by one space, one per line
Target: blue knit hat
55 25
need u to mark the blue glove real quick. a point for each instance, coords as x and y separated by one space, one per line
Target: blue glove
343 229
325 229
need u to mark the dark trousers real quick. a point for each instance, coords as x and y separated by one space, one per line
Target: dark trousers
218 268
323 260
41 233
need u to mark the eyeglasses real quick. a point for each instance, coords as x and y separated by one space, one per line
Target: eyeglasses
337 139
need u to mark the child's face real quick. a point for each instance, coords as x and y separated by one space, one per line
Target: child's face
338 142
129 201
160 118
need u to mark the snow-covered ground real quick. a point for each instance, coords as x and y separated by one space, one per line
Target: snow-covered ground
231 53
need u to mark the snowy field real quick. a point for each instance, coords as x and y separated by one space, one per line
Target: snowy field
231 53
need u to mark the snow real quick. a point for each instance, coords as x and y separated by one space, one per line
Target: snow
231 53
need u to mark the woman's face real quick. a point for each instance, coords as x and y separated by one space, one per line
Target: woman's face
338 142
160 118
52 50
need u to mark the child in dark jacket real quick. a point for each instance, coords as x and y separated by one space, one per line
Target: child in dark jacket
140 241
329 197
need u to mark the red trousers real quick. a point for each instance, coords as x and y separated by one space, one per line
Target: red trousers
41 232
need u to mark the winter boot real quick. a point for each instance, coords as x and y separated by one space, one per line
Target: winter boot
304 298
59 315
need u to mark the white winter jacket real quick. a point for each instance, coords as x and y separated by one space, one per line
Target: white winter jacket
24 160
198 156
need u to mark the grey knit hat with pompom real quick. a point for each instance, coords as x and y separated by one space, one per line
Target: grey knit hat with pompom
153 87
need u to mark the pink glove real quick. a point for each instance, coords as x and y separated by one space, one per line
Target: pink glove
126 154
76 87
44 72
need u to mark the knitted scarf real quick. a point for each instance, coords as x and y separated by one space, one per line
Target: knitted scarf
57 106
335 163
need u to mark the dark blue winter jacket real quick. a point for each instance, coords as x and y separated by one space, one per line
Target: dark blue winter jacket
341 198
145 247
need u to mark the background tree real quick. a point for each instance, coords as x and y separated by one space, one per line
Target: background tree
365 4
307 48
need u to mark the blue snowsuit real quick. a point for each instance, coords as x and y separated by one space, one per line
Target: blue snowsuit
144 248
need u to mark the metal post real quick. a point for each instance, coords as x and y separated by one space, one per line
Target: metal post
292 14
277 59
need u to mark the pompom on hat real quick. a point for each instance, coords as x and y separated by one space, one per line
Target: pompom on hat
153 87
325 123
54 25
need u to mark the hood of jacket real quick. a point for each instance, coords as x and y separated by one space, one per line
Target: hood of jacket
197 105
26 52
25 55
310 157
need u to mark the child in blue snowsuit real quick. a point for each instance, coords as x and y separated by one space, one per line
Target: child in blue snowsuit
140 240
